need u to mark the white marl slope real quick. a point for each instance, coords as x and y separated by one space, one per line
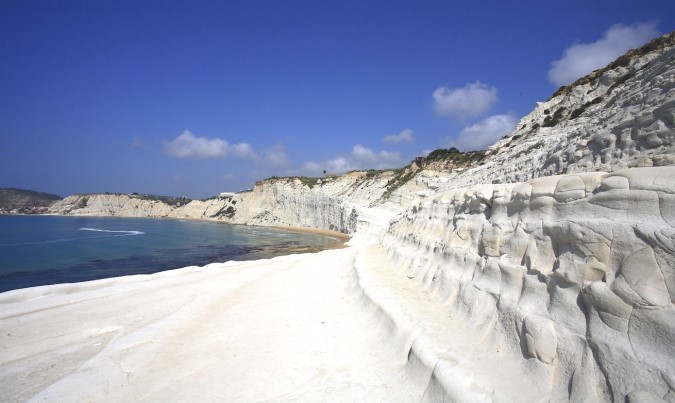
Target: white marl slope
622 117
553 263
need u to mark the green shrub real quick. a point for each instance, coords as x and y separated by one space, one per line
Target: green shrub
83 202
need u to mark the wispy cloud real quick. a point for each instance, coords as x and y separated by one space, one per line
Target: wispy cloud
472 100
187 145
406 136
137 142
483 134
276 156
582 58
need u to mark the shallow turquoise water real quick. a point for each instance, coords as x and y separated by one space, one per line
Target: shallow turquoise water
39 250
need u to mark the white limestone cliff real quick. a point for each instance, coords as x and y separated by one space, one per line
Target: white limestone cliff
109 205
570 278
123 205
544 273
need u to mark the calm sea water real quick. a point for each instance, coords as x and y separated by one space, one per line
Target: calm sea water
40 250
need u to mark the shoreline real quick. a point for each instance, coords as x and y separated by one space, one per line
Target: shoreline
333 240
340 243
341 238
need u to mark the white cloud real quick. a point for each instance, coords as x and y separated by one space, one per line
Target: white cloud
243 150
364 158
339 165
228 177
276 156
137 142
363 154
187 145
406 136
311 168
582 58
474 99
484 133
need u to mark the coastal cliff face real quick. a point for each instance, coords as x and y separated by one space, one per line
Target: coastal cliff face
332 204
122 205
572 277
109 205
360 203
554 254
557 252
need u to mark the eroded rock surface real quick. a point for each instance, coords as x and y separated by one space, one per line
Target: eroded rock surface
562 275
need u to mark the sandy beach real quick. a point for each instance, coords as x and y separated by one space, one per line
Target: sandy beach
341 239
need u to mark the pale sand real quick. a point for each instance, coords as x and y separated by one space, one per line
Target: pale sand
341 239
295 327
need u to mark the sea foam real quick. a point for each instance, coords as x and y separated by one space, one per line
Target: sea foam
121 233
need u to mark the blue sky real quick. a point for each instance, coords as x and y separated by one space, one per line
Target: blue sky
195 98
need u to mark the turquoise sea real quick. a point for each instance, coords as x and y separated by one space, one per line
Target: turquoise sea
40 250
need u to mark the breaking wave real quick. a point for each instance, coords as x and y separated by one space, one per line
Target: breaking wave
120 233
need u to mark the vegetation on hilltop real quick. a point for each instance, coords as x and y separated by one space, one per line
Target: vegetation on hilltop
442 159
308 181
171 201
400 178
454 155
25 201
622 61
